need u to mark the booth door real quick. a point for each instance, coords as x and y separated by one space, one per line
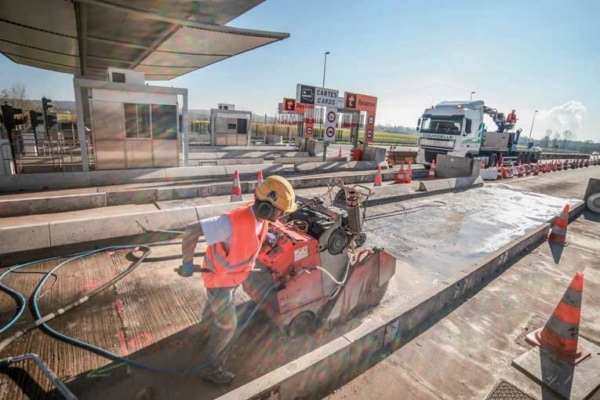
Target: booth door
108 133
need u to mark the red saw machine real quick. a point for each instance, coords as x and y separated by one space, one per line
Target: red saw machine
313 271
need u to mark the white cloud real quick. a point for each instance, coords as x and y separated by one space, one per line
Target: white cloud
568 116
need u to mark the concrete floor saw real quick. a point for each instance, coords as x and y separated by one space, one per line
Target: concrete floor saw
320 270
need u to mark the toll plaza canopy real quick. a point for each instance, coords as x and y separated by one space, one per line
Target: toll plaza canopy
163 39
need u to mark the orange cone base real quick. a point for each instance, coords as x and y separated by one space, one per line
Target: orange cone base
581 354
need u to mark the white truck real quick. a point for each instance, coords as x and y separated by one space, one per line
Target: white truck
457 128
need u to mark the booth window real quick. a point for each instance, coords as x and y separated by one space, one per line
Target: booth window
164 121
137 121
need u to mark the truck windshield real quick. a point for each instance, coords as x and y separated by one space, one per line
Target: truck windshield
448 125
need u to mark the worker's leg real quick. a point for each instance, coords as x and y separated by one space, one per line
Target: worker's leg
206 323
224 324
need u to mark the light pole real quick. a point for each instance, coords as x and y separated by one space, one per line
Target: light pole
471 98
321 112
531 130
325 68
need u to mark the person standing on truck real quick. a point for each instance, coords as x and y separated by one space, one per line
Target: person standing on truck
234 240
511 118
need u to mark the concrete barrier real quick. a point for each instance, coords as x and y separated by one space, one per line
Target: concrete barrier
230 161
450 184
71 180
455 167
373 340
337 166
490 174
108 197
21 238
41 236
45 205
43 181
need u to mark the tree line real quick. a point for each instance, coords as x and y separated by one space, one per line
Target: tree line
565 140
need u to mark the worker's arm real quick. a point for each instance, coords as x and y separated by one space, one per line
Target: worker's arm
215 230
192 233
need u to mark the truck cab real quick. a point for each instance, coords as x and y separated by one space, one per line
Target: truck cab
451 127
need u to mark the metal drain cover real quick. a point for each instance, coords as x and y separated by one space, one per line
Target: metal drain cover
505 390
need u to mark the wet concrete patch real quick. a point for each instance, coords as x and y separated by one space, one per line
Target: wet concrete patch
440 236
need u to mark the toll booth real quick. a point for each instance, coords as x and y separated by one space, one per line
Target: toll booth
230 127
131 124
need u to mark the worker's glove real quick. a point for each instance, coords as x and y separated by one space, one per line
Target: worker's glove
186 269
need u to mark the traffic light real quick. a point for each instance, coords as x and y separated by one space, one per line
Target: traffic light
50 120
46 104
35 118
18 120
8 117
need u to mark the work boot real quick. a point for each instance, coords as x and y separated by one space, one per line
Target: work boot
216 375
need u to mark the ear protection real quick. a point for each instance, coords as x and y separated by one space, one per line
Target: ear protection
264 209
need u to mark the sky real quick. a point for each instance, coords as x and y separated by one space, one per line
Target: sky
525 55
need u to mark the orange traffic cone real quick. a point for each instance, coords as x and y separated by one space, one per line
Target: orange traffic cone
408 174
259 180
560 335
378 177
236 189
431 171
558 234
340 152
401 177
520 170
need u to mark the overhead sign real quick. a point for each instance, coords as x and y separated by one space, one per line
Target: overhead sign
362 102
317 96
290 105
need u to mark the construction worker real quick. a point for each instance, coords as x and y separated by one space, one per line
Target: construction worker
234 240
511 118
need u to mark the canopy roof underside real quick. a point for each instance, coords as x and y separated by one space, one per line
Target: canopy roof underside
163 39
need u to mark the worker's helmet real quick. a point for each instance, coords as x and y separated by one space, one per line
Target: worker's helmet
277 191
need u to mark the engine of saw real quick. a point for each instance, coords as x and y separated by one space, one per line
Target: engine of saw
314 272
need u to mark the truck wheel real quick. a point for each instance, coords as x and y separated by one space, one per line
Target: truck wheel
302 324
493 160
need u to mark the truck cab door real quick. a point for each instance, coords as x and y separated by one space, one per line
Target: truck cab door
472 133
